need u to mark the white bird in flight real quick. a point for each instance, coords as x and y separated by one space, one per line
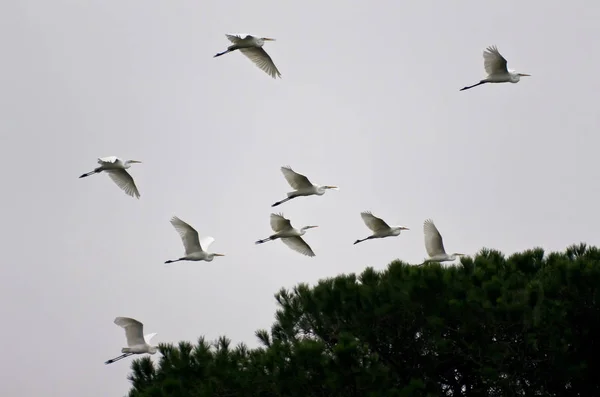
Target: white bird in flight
435 245
195 249
137 342
116 169
291 237
251 47
379 227
495 67
301 185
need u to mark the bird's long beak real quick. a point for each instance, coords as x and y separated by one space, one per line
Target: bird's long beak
333 187
523 74
268 39
405 228
219 254
313 226
134 161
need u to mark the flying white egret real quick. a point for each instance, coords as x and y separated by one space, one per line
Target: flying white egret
291 237
137 342
435 245
195 249
251 47
495 67
301 185
116 169
379 227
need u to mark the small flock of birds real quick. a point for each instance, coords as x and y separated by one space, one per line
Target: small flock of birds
196 249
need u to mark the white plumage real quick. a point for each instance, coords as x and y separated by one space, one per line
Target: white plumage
116 170
137 342
301 185
195 248
434 245
379 227
289 235
252 48
496 68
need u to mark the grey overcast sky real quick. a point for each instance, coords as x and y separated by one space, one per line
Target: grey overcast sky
369 101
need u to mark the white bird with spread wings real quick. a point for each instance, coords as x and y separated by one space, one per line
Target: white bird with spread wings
137 342
291 237
116 170
301 185
252 47
379 227
434 244
195 248
495 67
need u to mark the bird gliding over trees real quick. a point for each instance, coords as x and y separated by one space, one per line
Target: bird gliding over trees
379 227
434 244
137 342
495 67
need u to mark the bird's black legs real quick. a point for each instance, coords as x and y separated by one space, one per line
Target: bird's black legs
474 85
360 241
174 260
264 240
112 360
90 173
229 49
282 201
221 53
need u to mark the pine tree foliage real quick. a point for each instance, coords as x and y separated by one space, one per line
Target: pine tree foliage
525 325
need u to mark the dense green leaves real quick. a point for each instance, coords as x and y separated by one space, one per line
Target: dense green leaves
495 326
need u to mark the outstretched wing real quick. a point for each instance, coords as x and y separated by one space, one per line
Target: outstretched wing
433 239
109 159
299 245
261 59
134 330
189 235
374 223
279 223
236 38
205 242
493 62
124 181
149 337
296 180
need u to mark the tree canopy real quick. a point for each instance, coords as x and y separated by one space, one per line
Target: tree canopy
494 326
